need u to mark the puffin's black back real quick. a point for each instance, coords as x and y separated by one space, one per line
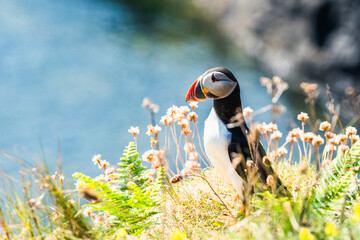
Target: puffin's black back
226 109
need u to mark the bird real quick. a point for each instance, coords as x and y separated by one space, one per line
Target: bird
235 152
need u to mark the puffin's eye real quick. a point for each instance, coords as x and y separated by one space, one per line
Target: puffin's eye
213 77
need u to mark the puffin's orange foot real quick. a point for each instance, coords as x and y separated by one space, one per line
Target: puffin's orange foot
237 198
242 208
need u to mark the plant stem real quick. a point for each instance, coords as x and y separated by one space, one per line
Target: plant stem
317 157
291 150
225 205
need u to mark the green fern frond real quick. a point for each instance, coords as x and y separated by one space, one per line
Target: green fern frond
128 198
338 184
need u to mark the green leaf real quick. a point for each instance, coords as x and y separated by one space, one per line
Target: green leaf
128 200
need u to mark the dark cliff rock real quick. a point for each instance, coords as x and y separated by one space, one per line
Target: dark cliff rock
300 40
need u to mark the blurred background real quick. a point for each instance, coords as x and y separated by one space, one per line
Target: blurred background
74 73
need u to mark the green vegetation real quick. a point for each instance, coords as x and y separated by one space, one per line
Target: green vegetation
124 203
190 202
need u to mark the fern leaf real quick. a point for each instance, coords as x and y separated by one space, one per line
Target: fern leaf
337 182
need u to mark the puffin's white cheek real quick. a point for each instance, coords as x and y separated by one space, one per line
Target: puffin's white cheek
222 88
209 85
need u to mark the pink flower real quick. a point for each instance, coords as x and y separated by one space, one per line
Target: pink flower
193 105
109 171
103 164
184 110
183 123
166 120
189 147
149 155
276 135
282 151
354 138
174 113
190 166
272 127
303 117
343 148
317 140
330 148
186 131
294 135
325 126
153 129
155 157
351 131
158 160
96 159
134 130
192 116
193 156
247 111
296 132
309 136
309 88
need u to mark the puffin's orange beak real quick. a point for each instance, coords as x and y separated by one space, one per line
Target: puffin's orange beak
195 93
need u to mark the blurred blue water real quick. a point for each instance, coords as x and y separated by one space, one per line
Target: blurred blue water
78 71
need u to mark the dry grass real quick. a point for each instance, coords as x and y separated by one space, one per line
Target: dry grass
196 208
202 205
296 177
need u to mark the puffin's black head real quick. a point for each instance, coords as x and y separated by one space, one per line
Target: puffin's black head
216 83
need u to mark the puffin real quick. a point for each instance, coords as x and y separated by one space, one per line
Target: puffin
234 151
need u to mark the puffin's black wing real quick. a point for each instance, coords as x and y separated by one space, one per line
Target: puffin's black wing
239 149
239 152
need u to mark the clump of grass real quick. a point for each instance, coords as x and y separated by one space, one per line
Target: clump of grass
197 211
182 196
43 210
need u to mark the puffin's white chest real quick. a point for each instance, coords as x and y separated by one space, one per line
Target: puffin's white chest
216 142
